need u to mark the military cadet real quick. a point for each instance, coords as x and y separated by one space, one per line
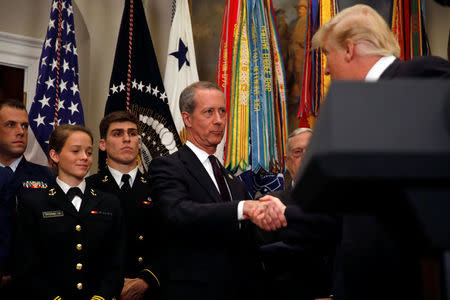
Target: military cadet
17 176
119 138
70 239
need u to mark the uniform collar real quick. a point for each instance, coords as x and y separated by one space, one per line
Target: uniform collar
65 187
14 165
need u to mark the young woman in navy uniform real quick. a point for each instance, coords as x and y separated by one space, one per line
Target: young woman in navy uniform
70 237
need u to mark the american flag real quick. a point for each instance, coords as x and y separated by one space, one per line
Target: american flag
57 100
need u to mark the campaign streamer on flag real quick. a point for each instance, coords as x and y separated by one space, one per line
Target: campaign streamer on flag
181 66
136 86
57 100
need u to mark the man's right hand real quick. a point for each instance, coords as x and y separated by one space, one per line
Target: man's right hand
267 213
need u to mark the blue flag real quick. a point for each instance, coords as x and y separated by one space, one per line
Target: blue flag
57 100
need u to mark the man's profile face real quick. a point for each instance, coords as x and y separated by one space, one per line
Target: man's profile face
336 65
121 143
297 146
13 132
206 124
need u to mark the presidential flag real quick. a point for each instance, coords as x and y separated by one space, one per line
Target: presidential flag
57 100
136 86
181 67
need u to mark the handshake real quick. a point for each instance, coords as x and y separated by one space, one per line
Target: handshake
267 212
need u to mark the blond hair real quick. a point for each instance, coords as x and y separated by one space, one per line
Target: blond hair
361 25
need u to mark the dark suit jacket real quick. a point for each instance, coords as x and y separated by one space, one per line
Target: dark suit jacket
379 257
142 227
209 253
62 252
301 253
27 177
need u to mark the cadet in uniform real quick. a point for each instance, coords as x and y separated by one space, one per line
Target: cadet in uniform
70 238
119 138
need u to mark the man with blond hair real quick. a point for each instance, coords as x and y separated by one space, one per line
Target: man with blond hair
372 263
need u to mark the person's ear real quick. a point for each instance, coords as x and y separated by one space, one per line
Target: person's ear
54 156
101 144
186 119
349 50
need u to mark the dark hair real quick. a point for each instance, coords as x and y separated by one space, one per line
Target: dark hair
117 116
12 103
187 97
61 133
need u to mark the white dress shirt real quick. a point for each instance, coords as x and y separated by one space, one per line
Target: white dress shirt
117 175
203 157
65 187
378 68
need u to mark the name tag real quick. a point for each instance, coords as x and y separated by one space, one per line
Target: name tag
52 214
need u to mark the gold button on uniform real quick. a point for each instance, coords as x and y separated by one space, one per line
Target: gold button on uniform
79 266
79 247
140 259
79 286
78 228
141 237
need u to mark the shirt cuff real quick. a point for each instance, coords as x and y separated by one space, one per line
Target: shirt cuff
240 211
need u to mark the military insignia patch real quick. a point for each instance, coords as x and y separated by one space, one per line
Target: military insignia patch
147 202
103 213
52 192
143 180
93 193
30 184
105 179
52 214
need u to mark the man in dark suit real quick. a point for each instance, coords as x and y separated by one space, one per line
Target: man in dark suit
298 259
18 176
373 262
209 253
119 138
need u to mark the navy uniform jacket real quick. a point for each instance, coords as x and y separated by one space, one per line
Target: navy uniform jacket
142 227
27 177
372 262
209 253
60 252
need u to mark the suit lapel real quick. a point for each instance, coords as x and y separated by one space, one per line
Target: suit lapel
59 199
198 171
108 182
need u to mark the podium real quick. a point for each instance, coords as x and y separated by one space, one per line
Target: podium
382 150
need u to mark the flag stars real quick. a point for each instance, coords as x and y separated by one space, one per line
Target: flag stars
155 91
54 64
48 43
134 83
44 101
67 47
49 82
68 29
62 86
74 88
39 120
140 86
65 66
44 61
60 105
148 88
163 97
74 108
114 89
74 50
69 10
55 5
51 24
121 86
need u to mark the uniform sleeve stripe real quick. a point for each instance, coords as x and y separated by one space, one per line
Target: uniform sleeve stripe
96 297
157 280
57 298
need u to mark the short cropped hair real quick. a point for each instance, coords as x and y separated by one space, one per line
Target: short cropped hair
187 97
116 116
294 133
12 103
361 25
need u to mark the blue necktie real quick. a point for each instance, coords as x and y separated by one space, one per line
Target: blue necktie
218 174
